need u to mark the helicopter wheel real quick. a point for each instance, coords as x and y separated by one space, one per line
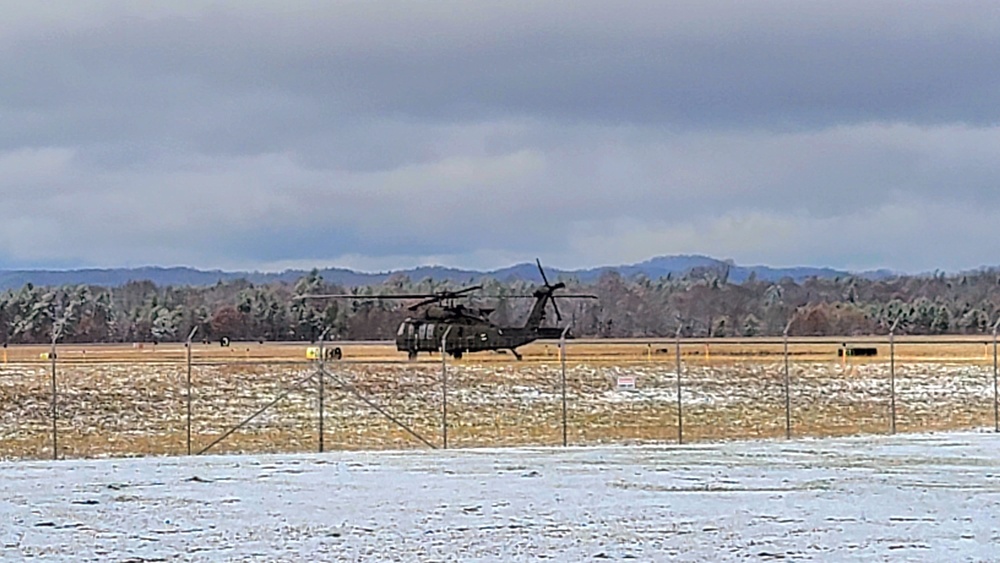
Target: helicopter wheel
457 355
411 355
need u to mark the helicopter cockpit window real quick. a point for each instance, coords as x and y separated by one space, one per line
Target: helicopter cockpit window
402 329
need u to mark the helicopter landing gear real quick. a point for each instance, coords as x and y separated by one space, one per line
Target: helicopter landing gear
457 355
411 355
516 355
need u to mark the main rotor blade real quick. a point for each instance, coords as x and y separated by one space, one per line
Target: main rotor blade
556 309
361 297
561 296
444 294
462 291
427 301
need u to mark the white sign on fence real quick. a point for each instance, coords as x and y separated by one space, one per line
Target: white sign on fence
626 382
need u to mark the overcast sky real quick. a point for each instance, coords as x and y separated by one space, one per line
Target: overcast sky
257 134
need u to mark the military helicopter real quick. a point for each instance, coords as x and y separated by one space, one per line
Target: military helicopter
468 329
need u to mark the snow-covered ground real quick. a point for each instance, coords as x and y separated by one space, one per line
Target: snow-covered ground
922 497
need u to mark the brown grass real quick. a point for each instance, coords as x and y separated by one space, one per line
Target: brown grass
124 400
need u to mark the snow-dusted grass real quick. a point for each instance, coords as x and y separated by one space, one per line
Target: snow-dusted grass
916 497
114 408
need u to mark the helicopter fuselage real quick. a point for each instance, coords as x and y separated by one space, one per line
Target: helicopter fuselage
466 335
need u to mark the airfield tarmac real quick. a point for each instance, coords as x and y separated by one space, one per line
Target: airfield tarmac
915 497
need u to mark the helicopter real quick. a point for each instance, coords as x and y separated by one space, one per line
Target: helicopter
468 329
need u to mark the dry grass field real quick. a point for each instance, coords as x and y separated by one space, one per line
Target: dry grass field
130 400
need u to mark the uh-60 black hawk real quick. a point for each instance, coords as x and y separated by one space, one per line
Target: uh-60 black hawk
469 329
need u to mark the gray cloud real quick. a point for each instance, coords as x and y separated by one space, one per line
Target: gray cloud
264 134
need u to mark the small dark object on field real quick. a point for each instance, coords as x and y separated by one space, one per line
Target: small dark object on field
857 351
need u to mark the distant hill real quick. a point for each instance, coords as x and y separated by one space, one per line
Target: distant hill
654 268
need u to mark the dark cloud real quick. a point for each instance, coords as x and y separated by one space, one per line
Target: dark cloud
260 134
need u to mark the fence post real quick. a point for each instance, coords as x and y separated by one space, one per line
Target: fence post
680 415
188 344
562 359
322 376
892 375
996 414
444 388
788 392
55 411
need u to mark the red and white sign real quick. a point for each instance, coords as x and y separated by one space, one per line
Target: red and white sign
626 382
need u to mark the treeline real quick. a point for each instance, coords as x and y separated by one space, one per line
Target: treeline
701 303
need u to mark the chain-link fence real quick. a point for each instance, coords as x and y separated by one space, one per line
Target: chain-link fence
114 401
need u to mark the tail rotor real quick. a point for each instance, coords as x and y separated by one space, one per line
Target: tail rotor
550 289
